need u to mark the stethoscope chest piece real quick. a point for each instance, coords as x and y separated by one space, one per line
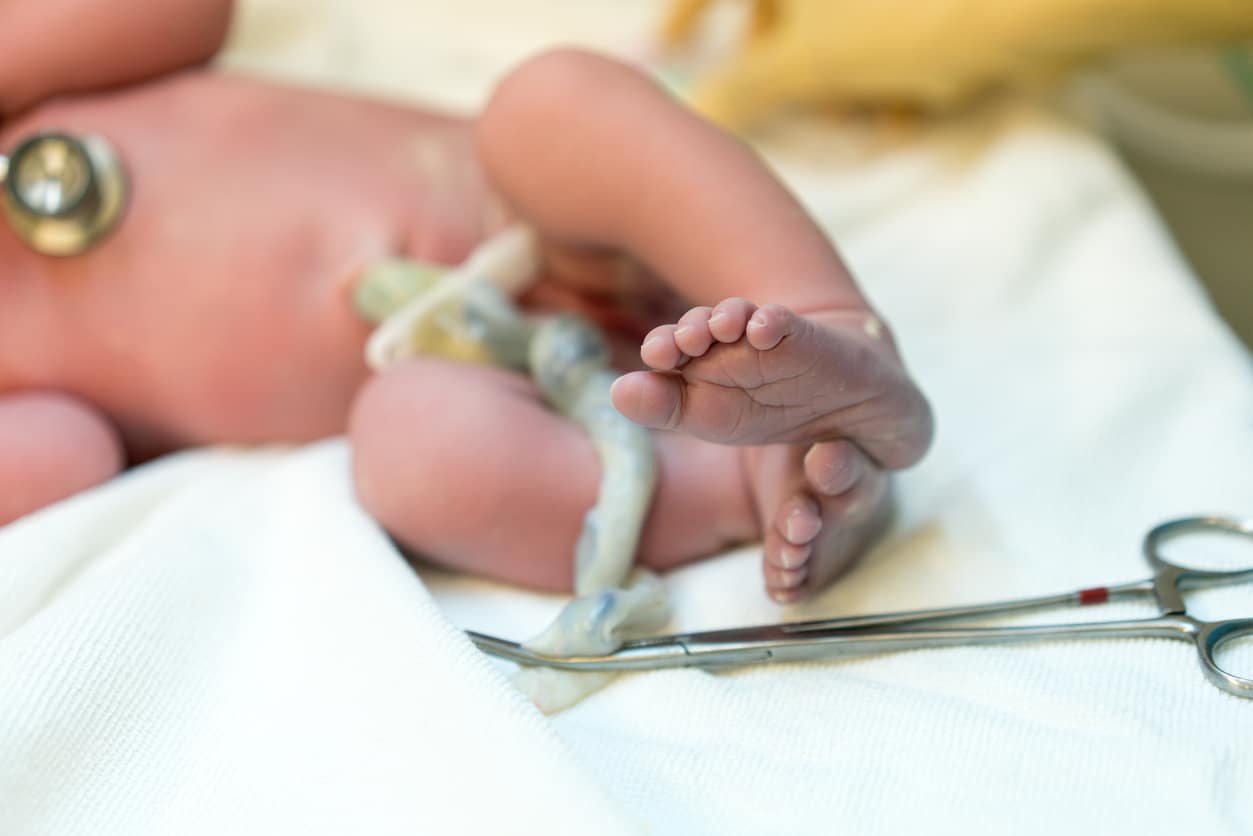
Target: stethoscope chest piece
61 193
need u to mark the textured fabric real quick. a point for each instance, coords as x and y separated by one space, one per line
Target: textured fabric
224 644
221 642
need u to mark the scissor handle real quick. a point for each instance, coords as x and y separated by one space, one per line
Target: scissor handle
1175 529
1213 635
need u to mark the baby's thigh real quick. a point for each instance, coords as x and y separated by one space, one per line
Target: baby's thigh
466 466
52 445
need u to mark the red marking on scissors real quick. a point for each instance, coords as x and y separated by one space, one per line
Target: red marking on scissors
1095 595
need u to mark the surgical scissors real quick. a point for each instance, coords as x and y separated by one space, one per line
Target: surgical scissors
883 633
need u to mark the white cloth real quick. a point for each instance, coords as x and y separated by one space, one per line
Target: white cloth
223 642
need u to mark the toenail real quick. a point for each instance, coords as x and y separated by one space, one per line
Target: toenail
802 526
717 316
682 329
827 479
785 596
792 556
758 319
791 580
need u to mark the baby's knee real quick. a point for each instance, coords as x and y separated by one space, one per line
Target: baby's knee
52 446
560 79
399 432
382 437
538 99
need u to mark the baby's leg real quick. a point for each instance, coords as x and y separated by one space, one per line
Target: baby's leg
465 465
51 446
631 170
600 158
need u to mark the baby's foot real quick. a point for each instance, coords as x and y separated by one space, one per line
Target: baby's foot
742 374
819 511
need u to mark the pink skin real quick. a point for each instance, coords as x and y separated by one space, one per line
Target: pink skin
689 203
99 44
219 310
510 504
218 313
87 453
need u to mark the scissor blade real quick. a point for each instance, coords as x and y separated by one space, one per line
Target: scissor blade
649 654
766 642
903 618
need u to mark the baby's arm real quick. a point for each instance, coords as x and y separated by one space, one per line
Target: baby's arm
51 47
51 446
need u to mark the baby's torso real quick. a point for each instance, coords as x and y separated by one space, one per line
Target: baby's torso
218 311
194 358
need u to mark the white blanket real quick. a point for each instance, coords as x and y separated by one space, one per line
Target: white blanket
222 642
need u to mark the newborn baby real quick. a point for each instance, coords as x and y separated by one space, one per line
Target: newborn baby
220 312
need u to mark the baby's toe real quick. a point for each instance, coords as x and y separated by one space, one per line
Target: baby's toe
799 520
768 326
785 555
778 580
691 332
832 467
785 568
651 399
659 350
729 319
786 595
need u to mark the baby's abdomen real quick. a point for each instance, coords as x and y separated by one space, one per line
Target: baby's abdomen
249 371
